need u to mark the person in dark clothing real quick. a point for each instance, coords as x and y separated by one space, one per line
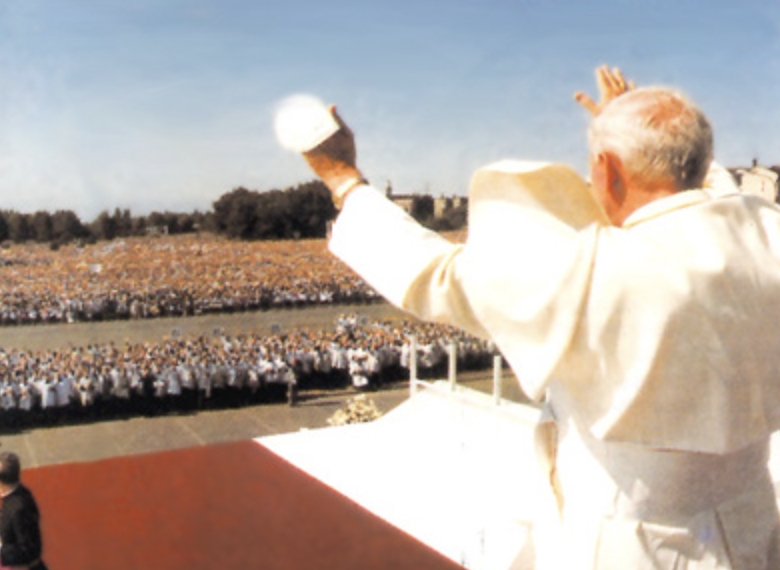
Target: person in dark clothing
20 532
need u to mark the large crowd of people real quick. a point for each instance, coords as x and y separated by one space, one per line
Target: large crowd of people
180 275
97 381
188 275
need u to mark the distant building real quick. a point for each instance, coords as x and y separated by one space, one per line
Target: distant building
155 231
405 201
758 180
441 205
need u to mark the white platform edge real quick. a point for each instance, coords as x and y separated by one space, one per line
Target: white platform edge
450 469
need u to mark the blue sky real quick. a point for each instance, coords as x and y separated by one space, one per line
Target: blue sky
167 104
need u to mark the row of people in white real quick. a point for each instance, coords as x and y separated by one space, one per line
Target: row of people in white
366 354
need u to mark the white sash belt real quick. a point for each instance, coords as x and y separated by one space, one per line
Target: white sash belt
671 486
627 506
668 487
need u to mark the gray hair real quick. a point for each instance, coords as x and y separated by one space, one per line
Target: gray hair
658 134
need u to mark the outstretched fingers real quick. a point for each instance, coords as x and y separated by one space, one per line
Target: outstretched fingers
611 83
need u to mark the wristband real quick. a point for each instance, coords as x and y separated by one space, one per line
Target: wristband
345 188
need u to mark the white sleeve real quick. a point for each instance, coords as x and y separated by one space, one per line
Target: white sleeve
401 259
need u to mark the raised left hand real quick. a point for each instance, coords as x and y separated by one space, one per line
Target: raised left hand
611 84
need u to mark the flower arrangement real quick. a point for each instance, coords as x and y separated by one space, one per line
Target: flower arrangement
356 410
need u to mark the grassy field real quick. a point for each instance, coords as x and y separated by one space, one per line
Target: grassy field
42 337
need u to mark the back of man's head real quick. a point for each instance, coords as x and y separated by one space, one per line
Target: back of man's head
10 468
659 136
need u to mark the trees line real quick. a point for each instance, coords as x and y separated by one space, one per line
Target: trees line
302 211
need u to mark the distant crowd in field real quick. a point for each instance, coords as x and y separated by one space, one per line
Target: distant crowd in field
106 380
149 277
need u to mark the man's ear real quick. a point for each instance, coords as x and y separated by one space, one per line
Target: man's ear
612 170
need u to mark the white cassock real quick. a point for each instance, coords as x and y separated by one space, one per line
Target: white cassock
173 382
26 397
186 375
48 392
653 344
85 391
64 390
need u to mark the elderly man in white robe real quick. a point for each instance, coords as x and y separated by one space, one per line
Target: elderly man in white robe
641 309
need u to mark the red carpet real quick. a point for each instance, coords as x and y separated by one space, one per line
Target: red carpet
227 506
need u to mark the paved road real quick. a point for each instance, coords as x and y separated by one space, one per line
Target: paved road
99 440
104 439
38 337
93 441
